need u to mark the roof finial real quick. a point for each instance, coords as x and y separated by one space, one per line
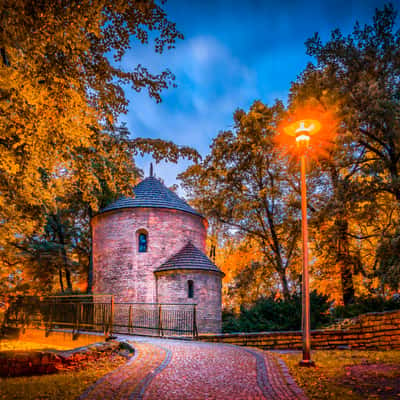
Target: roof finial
151 169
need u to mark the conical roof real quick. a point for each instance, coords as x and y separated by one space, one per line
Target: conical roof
189 257
151 193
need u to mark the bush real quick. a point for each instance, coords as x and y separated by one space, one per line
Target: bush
268 314
366 304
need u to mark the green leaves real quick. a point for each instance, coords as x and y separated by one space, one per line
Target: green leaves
359 74
244 185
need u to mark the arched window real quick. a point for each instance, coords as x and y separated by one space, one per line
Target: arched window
142 239
190 289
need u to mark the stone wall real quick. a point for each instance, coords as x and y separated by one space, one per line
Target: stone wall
173 288
118 267
369 331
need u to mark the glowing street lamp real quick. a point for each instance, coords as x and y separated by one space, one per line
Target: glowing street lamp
302 131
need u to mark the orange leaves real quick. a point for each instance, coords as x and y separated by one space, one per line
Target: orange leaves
59 102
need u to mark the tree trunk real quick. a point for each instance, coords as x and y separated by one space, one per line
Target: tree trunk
68 279
90 271
3 56
394 177
61 237
60 277
284 283
343 259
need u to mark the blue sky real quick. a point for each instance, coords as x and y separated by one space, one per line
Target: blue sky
234 52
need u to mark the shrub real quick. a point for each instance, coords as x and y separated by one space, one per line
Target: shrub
366 304
268 314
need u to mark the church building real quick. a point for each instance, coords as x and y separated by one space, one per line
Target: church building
150 248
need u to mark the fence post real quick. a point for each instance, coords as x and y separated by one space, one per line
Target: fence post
160 327
194 333
80 317
130 321
106 318
112 315
75 326
49 320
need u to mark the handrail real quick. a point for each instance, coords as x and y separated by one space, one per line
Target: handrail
160 319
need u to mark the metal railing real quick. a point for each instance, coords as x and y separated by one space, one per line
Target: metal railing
155 319
99 313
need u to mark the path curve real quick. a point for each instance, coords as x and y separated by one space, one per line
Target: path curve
164 369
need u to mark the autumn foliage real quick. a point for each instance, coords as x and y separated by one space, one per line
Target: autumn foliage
249 183
63 154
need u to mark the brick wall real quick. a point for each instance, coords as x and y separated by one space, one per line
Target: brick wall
118 267
368 331
173 288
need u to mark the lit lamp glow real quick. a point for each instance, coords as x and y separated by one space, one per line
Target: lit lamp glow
302 131
302 138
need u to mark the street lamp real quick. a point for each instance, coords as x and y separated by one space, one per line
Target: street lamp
302 131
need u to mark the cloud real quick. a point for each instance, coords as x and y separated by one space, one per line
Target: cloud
233 53
212 83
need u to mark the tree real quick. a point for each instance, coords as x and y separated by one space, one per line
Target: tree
59 88
61 93
363 71
358 73
243 183
63 247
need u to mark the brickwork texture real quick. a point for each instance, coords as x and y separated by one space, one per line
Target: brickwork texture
173 287
120 269
380 331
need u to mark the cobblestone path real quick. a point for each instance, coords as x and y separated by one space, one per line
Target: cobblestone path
165 369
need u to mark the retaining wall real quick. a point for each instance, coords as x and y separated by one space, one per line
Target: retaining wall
368 331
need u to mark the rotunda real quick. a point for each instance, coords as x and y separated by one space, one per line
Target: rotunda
150 248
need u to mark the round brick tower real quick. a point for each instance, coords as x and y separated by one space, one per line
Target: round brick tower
150 249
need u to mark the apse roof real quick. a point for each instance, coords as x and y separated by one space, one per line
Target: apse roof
151 193
189 257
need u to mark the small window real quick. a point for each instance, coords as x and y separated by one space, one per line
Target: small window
190 289
142 242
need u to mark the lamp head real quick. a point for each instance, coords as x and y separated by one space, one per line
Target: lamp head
302 130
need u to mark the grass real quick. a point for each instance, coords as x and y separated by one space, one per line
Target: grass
65 385
377 375
19 345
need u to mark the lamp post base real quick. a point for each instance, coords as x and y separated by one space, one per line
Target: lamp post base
307 363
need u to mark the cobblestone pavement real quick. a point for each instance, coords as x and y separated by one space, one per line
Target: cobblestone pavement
164 369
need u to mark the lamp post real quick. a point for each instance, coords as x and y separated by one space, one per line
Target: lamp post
302 131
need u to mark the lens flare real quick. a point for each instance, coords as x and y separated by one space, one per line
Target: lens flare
309 128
